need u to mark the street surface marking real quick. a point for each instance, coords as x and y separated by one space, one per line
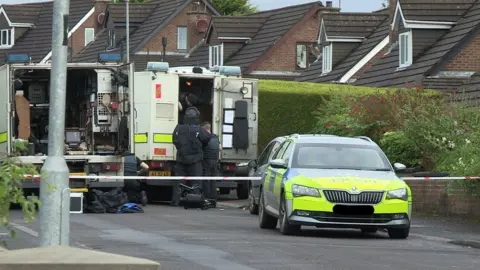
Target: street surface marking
25 229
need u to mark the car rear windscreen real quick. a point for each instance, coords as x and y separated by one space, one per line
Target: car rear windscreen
339 156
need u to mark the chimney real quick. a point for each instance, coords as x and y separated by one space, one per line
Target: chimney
329 4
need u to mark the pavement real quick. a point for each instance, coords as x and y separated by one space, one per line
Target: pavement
228 237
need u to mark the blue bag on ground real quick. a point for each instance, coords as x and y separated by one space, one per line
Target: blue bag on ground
130 208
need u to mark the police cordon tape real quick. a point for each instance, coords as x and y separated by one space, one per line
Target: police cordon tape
232 178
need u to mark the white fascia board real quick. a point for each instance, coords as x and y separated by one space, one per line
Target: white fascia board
415 24
75 28
344 39
367 58
234 38
2 11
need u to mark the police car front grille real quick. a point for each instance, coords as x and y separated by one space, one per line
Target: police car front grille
366 197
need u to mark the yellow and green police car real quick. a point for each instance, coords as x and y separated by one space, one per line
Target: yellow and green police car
332 181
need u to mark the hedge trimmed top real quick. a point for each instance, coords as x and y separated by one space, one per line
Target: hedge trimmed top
285 107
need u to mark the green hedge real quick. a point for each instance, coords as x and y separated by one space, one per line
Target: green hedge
286 107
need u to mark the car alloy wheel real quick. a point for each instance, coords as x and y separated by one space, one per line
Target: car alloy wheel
285 227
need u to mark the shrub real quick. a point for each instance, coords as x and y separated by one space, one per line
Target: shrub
12 173
399 148
286 107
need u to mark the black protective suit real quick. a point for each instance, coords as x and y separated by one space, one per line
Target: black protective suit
189 138
210 166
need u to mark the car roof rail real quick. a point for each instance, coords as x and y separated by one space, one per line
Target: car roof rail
365 138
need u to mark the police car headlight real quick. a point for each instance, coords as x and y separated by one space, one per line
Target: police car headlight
298 191
399 194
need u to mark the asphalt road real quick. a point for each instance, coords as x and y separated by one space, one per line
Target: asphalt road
231 239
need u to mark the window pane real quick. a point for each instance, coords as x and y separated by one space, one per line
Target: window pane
4 37
89 35
339 156
9 37
302 56
181 38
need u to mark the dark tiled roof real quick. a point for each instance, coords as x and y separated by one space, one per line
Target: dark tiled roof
278 23
469 91
37 40
313 72
352 24
23 13
444 84
142 60
435 10
385 72
165 10
238 26
138 13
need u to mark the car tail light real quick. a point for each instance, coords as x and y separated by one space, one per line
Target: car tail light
157 164
111 166
229 167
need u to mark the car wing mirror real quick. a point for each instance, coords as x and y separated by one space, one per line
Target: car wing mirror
278 163
253 163
399 167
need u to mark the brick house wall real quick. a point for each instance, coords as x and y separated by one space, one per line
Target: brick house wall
468 59
434 197
185 18
77 39
283 57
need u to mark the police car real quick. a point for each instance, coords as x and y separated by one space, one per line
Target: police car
331 181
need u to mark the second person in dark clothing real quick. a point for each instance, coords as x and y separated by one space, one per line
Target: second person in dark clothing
211 153
189 138
133 166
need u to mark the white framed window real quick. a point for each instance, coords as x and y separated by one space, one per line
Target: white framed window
89 35
405 49
6 38
111 38
327 58
182 34
216 56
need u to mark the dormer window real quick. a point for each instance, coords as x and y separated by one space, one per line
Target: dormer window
216 56
405 49
6 38
327 58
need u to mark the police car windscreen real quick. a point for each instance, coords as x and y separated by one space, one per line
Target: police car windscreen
339 156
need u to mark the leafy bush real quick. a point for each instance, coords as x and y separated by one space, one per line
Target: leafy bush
286 107
399 148
12 173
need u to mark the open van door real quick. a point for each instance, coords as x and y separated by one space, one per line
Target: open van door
124 81
156 114
4 110
238 101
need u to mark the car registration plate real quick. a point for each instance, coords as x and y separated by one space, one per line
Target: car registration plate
159 173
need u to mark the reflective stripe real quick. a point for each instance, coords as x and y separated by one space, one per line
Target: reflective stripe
267 179
3 137
278 182
141 138
271 183
162 138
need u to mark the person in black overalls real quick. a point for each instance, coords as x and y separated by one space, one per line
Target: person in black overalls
132 165
211 153
189 138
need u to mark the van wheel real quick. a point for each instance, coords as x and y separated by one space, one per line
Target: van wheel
399 233
242 191
265 221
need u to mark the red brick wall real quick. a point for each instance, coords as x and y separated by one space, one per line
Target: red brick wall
283 57
77 39
434 197
185 18
468 59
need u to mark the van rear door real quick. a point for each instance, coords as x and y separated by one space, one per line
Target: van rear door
238 102
156 114
4 110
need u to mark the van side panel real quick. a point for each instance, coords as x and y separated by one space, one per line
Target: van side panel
4 110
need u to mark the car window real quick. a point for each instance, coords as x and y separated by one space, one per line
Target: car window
262 159
289 151
274 150
340 156
283 146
